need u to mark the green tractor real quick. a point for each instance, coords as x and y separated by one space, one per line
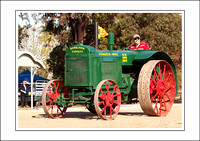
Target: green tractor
103 80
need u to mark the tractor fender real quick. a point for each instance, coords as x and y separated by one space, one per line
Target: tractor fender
145 56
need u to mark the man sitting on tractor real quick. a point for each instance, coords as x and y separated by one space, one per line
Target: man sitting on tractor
137 44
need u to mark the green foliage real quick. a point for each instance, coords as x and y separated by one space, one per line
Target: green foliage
21 69
56 62
161 31
22 33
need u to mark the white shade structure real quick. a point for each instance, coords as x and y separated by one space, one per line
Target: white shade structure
27 59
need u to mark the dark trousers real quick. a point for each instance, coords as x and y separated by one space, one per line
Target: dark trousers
24 100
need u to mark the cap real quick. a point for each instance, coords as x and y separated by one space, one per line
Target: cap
136 35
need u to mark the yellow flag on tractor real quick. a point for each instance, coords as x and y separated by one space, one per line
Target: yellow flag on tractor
101 32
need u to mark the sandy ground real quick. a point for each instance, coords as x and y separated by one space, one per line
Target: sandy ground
130 116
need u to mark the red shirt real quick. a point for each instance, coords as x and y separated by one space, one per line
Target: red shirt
142 46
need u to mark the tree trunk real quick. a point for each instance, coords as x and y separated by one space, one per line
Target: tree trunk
77 28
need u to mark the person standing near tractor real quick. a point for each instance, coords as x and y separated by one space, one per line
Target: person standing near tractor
24 93
137 45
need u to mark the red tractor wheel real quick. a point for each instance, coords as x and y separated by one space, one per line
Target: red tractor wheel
156 87
107 99
50 93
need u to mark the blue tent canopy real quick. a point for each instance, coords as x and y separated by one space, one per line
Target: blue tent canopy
26 75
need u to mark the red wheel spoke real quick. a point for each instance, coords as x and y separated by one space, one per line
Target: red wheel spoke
156 108
108 87
49 101
103 109
102 102
49 89
160 71
105 114
116 95
101 91
154 97
159 68
164 104
110 113
155 73
56 86
50 107
168 88
114 89
103 97
164 72
158 75
58 107
167 96
112 109
160 105
153 88
167 77
52 111
152 85
154 76
115 102
156 103
153 81
48 94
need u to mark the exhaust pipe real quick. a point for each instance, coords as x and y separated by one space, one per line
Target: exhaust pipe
96 35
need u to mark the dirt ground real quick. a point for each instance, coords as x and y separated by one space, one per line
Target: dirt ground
130 116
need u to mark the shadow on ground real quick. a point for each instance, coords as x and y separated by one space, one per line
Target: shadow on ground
88 115
131 113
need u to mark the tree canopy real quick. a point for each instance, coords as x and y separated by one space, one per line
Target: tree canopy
161 31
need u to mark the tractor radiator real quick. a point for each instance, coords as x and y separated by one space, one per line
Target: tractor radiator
77 70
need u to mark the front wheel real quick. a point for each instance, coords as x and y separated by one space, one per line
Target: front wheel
107 99
52 90
156 87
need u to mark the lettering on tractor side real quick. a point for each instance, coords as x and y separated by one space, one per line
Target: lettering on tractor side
77 51
72 48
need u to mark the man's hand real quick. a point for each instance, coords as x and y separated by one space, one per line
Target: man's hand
28 83
23 91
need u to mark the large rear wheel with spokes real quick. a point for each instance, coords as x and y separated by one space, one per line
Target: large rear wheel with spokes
156 87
